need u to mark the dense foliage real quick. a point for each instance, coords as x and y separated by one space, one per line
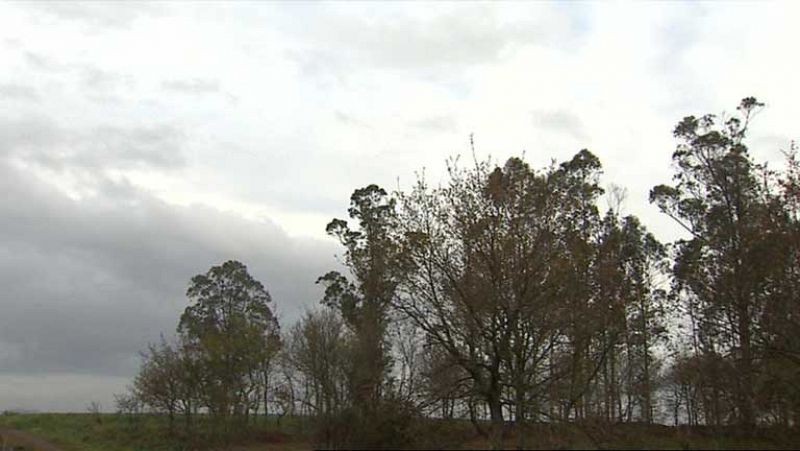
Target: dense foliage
507 297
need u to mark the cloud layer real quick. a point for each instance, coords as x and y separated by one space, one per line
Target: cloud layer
141 144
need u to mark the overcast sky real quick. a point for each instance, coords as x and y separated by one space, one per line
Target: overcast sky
141 144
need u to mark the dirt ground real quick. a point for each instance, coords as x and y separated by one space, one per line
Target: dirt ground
14 440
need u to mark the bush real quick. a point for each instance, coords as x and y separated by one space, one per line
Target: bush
392 424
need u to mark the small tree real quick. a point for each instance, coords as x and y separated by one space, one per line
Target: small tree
363 300
159 382
129 406
319 349
231 327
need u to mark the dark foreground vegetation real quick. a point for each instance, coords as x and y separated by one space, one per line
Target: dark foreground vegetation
110 432
505 307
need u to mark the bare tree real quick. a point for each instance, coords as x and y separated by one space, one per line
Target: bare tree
487 272
319 349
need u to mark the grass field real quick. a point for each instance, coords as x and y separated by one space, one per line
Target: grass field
110 432
89 432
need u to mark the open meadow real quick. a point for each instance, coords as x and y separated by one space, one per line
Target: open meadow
114 432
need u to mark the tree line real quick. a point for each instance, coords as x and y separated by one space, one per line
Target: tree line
506 297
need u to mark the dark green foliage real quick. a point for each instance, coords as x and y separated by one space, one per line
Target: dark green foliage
219 366
504 307
369 255
734 271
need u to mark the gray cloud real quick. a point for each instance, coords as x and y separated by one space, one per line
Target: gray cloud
43 63
88 283
560 121
470 35
19 135
41 140
332 46
46 392
158 145
97 84
102 85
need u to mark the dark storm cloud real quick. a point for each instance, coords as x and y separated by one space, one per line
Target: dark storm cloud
87 283
192 86
39 139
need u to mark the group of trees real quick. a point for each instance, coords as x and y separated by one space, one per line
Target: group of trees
507 296
548 309
736 276
221 361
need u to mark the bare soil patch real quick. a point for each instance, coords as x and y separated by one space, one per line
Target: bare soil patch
12 439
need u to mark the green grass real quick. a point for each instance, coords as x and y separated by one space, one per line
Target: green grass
114 432
111 432
86 432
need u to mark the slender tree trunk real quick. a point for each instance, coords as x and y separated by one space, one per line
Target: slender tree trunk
266 393
171 413
747 409
496 416
647 406
187 416
473 417
607 392
520 417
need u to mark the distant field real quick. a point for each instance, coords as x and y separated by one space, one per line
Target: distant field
85 432
111 432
